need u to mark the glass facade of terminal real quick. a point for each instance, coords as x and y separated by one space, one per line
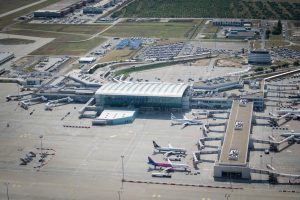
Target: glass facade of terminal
139 101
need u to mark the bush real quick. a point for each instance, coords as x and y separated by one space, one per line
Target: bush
259 69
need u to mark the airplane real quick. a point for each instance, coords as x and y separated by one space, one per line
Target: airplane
168 165
209 112
184 121
23 161
169 149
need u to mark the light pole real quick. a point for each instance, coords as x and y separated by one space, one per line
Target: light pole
41 137
119 194
122 168
6 184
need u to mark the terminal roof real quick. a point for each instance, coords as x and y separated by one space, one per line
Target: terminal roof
237 138
159 89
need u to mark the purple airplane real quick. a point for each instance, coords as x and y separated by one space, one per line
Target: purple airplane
168 166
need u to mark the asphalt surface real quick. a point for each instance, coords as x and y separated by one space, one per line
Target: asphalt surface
87 161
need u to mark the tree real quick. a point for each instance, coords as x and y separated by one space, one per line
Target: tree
296 63
273 68
268 34
277 30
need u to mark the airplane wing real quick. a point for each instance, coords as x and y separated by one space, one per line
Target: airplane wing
169 161
168 153
185 125
168 169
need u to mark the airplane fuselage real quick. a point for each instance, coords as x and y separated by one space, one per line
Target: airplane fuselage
167 149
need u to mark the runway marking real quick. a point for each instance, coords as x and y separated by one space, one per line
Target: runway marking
156 196
112 136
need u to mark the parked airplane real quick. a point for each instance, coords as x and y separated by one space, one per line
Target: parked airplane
168 165
209 112
23 161
168 149
185 122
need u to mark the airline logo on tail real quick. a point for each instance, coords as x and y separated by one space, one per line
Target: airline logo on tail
155 144
151 162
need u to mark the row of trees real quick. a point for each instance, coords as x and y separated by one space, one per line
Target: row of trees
202 8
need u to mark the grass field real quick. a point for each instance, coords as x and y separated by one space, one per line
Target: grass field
61 45
142 68
118 55
157 30
9 19
13 4
67 28
275 41
14 41
258 9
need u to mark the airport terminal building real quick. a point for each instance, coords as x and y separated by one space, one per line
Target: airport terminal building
153 95
260 57
233 160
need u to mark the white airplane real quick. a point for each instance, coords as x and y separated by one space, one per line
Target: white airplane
185 122
168 149
209 112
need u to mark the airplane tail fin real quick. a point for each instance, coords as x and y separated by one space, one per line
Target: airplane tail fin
155 144
150 161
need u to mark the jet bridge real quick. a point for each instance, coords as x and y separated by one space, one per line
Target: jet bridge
197 155
273 173
54 103
28 102
17 97
273 144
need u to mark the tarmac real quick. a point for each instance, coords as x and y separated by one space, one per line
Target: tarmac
86 162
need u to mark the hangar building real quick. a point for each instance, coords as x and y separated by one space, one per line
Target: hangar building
158 95
61 8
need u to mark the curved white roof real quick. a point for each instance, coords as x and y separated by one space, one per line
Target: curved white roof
143 89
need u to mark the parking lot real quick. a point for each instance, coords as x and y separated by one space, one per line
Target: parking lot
283 53
189 72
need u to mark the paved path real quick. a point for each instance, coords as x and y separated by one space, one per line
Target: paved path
99 33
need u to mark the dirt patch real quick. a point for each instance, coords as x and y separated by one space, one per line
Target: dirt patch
229 63
202 62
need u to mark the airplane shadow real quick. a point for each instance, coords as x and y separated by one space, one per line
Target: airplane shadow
207 161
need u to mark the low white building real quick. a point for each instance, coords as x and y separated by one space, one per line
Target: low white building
87 59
